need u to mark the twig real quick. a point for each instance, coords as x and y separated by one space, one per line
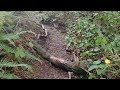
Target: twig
32 33
38 36
17 24
12 43
45 30
46 33
43 26
70 73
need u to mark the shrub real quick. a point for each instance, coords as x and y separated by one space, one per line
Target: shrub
8 50
97 35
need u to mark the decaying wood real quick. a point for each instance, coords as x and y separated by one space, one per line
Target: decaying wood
70 74
45 30
61 63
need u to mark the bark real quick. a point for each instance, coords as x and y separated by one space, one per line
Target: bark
61 63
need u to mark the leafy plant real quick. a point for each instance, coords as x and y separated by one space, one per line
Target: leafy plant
8 76
5 63
59 17
9 48
97 35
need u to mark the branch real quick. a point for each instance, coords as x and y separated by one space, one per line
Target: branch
59 62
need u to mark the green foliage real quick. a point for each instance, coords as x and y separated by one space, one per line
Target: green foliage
30 44
17 51
63 17
3 15
97 35
8 47
31 13
5 63
8 36
8 76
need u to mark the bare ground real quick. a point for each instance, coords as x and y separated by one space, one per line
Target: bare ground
54 44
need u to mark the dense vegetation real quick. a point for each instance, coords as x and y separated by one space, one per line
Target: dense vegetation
11 53
95 33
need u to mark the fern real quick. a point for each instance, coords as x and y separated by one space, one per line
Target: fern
3 15
6 48
19 52
8 76
8 36
5 75
4 63
29 56
20 32
6 40
11 36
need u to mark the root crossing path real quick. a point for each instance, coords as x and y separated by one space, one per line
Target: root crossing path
55 45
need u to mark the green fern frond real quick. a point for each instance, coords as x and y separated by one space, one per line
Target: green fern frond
8 36
15 51
8 76
4 63
3 15
20 32
30 56
11 36
6 48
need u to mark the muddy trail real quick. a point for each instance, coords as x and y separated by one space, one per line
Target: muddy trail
55 45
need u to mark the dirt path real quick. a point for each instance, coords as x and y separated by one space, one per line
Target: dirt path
54 44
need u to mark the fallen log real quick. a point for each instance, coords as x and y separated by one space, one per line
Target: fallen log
61 63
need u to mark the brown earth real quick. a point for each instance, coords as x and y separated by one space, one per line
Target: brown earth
54 44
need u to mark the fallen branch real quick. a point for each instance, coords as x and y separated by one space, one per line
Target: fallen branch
61 63
45 30
17 24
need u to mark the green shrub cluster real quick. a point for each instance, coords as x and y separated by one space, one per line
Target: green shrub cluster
8 49
97 35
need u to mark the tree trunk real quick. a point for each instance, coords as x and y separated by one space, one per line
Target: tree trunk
61 63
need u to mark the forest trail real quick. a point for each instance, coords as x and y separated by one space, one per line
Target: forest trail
55 45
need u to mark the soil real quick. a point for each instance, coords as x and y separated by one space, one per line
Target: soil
55 44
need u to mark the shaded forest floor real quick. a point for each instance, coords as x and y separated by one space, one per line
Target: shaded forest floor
54 44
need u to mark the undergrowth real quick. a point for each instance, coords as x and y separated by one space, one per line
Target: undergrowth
11 53
97 35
